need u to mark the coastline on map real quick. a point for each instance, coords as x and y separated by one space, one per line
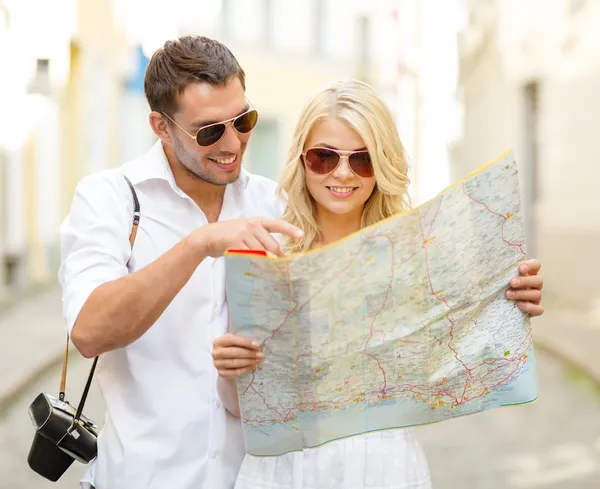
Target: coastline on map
311 430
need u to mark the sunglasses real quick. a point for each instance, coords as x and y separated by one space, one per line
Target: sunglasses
324 160
212 133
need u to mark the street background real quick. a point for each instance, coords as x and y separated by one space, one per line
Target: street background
465 79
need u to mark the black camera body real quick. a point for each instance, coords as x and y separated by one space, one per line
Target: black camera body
59 439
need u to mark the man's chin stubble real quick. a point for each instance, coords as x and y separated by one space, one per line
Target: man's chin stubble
207 179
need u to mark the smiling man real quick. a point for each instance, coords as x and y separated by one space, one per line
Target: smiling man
153 311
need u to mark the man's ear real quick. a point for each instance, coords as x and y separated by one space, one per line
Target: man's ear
160 127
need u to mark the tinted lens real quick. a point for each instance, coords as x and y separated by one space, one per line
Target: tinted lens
246 122
361 164
210 135
321 160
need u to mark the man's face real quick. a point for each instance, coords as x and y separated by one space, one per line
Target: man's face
202 104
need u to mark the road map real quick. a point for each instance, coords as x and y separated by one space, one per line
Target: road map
402 323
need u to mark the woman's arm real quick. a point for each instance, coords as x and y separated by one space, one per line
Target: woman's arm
227 389
233 356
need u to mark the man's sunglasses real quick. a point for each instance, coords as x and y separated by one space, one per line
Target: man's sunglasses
324 160
209 135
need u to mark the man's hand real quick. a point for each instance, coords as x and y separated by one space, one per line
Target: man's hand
234 355
526 290
253 234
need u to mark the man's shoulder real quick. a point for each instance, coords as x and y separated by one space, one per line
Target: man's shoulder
102 182
113 179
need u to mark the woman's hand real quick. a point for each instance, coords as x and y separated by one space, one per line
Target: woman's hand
234 355
526 289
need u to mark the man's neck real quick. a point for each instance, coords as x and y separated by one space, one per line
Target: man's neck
207 196
335 226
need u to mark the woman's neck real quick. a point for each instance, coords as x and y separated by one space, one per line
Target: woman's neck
336 226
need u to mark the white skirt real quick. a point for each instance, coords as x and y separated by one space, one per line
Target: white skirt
390 459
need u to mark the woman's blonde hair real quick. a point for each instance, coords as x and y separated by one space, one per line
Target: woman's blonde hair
358 105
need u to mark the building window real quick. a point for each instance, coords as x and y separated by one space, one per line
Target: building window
40 83
318 27
576 5
267 27
531 161
226 17
363 48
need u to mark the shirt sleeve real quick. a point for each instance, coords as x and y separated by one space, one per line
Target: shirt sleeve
94 239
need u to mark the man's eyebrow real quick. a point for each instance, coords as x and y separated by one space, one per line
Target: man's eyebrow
202 123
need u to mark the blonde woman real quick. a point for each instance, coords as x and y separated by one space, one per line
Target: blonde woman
346 169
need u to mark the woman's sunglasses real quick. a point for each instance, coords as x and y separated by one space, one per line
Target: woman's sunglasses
324 160
209 135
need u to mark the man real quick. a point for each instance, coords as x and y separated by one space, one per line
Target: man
153 312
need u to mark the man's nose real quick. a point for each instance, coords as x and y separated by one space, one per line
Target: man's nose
231 140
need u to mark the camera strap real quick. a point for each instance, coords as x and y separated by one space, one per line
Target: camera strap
63 379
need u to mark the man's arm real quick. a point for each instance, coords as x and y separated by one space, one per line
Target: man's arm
119 312
106 307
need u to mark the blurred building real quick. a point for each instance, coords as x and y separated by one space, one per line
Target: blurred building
530 81
35 68
60 121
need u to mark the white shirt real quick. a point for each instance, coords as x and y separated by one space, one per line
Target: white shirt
165 426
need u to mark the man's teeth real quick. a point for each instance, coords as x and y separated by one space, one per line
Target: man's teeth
342 190
224 161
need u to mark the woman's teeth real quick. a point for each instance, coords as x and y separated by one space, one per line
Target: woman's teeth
342 190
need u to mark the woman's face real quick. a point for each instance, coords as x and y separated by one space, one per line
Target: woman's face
341 191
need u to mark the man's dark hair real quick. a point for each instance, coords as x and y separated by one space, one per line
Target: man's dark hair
189 59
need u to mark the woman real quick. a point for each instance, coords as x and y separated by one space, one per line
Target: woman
346 169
